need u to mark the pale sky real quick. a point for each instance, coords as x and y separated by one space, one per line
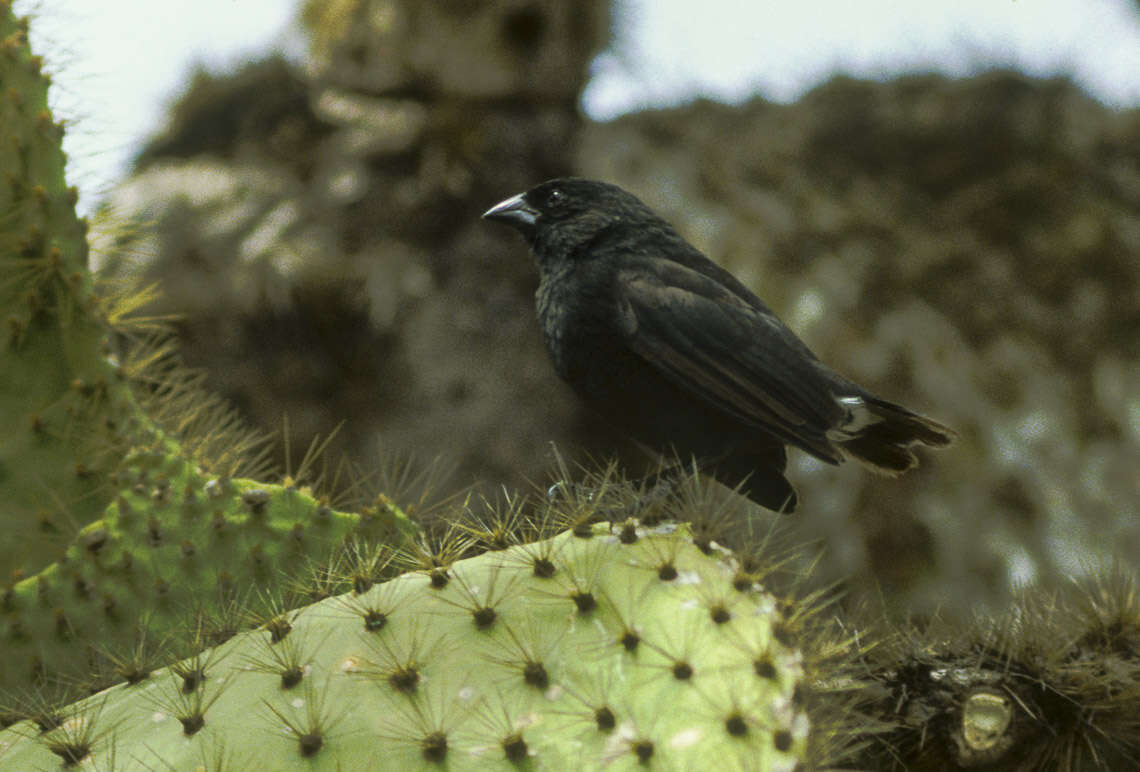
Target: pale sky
117 63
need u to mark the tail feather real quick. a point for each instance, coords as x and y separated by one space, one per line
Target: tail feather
881 434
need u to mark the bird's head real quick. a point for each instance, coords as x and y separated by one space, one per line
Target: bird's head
563 216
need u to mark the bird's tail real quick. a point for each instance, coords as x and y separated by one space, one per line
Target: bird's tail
881 434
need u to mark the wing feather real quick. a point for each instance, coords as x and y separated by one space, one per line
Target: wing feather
728 350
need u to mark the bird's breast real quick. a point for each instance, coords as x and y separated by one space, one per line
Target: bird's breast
574 325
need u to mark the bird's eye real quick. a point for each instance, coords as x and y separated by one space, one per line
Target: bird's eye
555 198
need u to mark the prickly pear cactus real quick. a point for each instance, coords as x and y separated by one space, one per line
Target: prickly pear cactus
63 403
115 532
617 651
175 546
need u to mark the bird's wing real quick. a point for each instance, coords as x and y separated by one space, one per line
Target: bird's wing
732 353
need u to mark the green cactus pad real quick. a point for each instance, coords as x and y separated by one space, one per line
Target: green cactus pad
118 533
603 664
173 549
63 404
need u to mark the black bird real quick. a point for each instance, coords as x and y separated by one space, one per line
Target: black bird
679 354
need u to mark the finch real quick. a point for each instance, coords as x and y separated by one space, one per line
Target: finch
677 353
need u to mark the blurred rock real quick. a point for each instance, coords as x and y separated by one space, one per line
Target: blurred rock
351 278
467 49
968 248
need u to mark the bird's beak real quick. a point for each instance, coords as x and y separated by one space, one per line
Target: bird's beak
515 212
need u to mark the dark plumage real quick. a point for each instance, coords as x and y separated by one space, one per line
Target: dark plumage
682 356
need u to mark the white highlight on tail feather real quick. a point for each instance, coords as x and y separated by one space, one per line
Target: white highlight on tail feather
858 418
